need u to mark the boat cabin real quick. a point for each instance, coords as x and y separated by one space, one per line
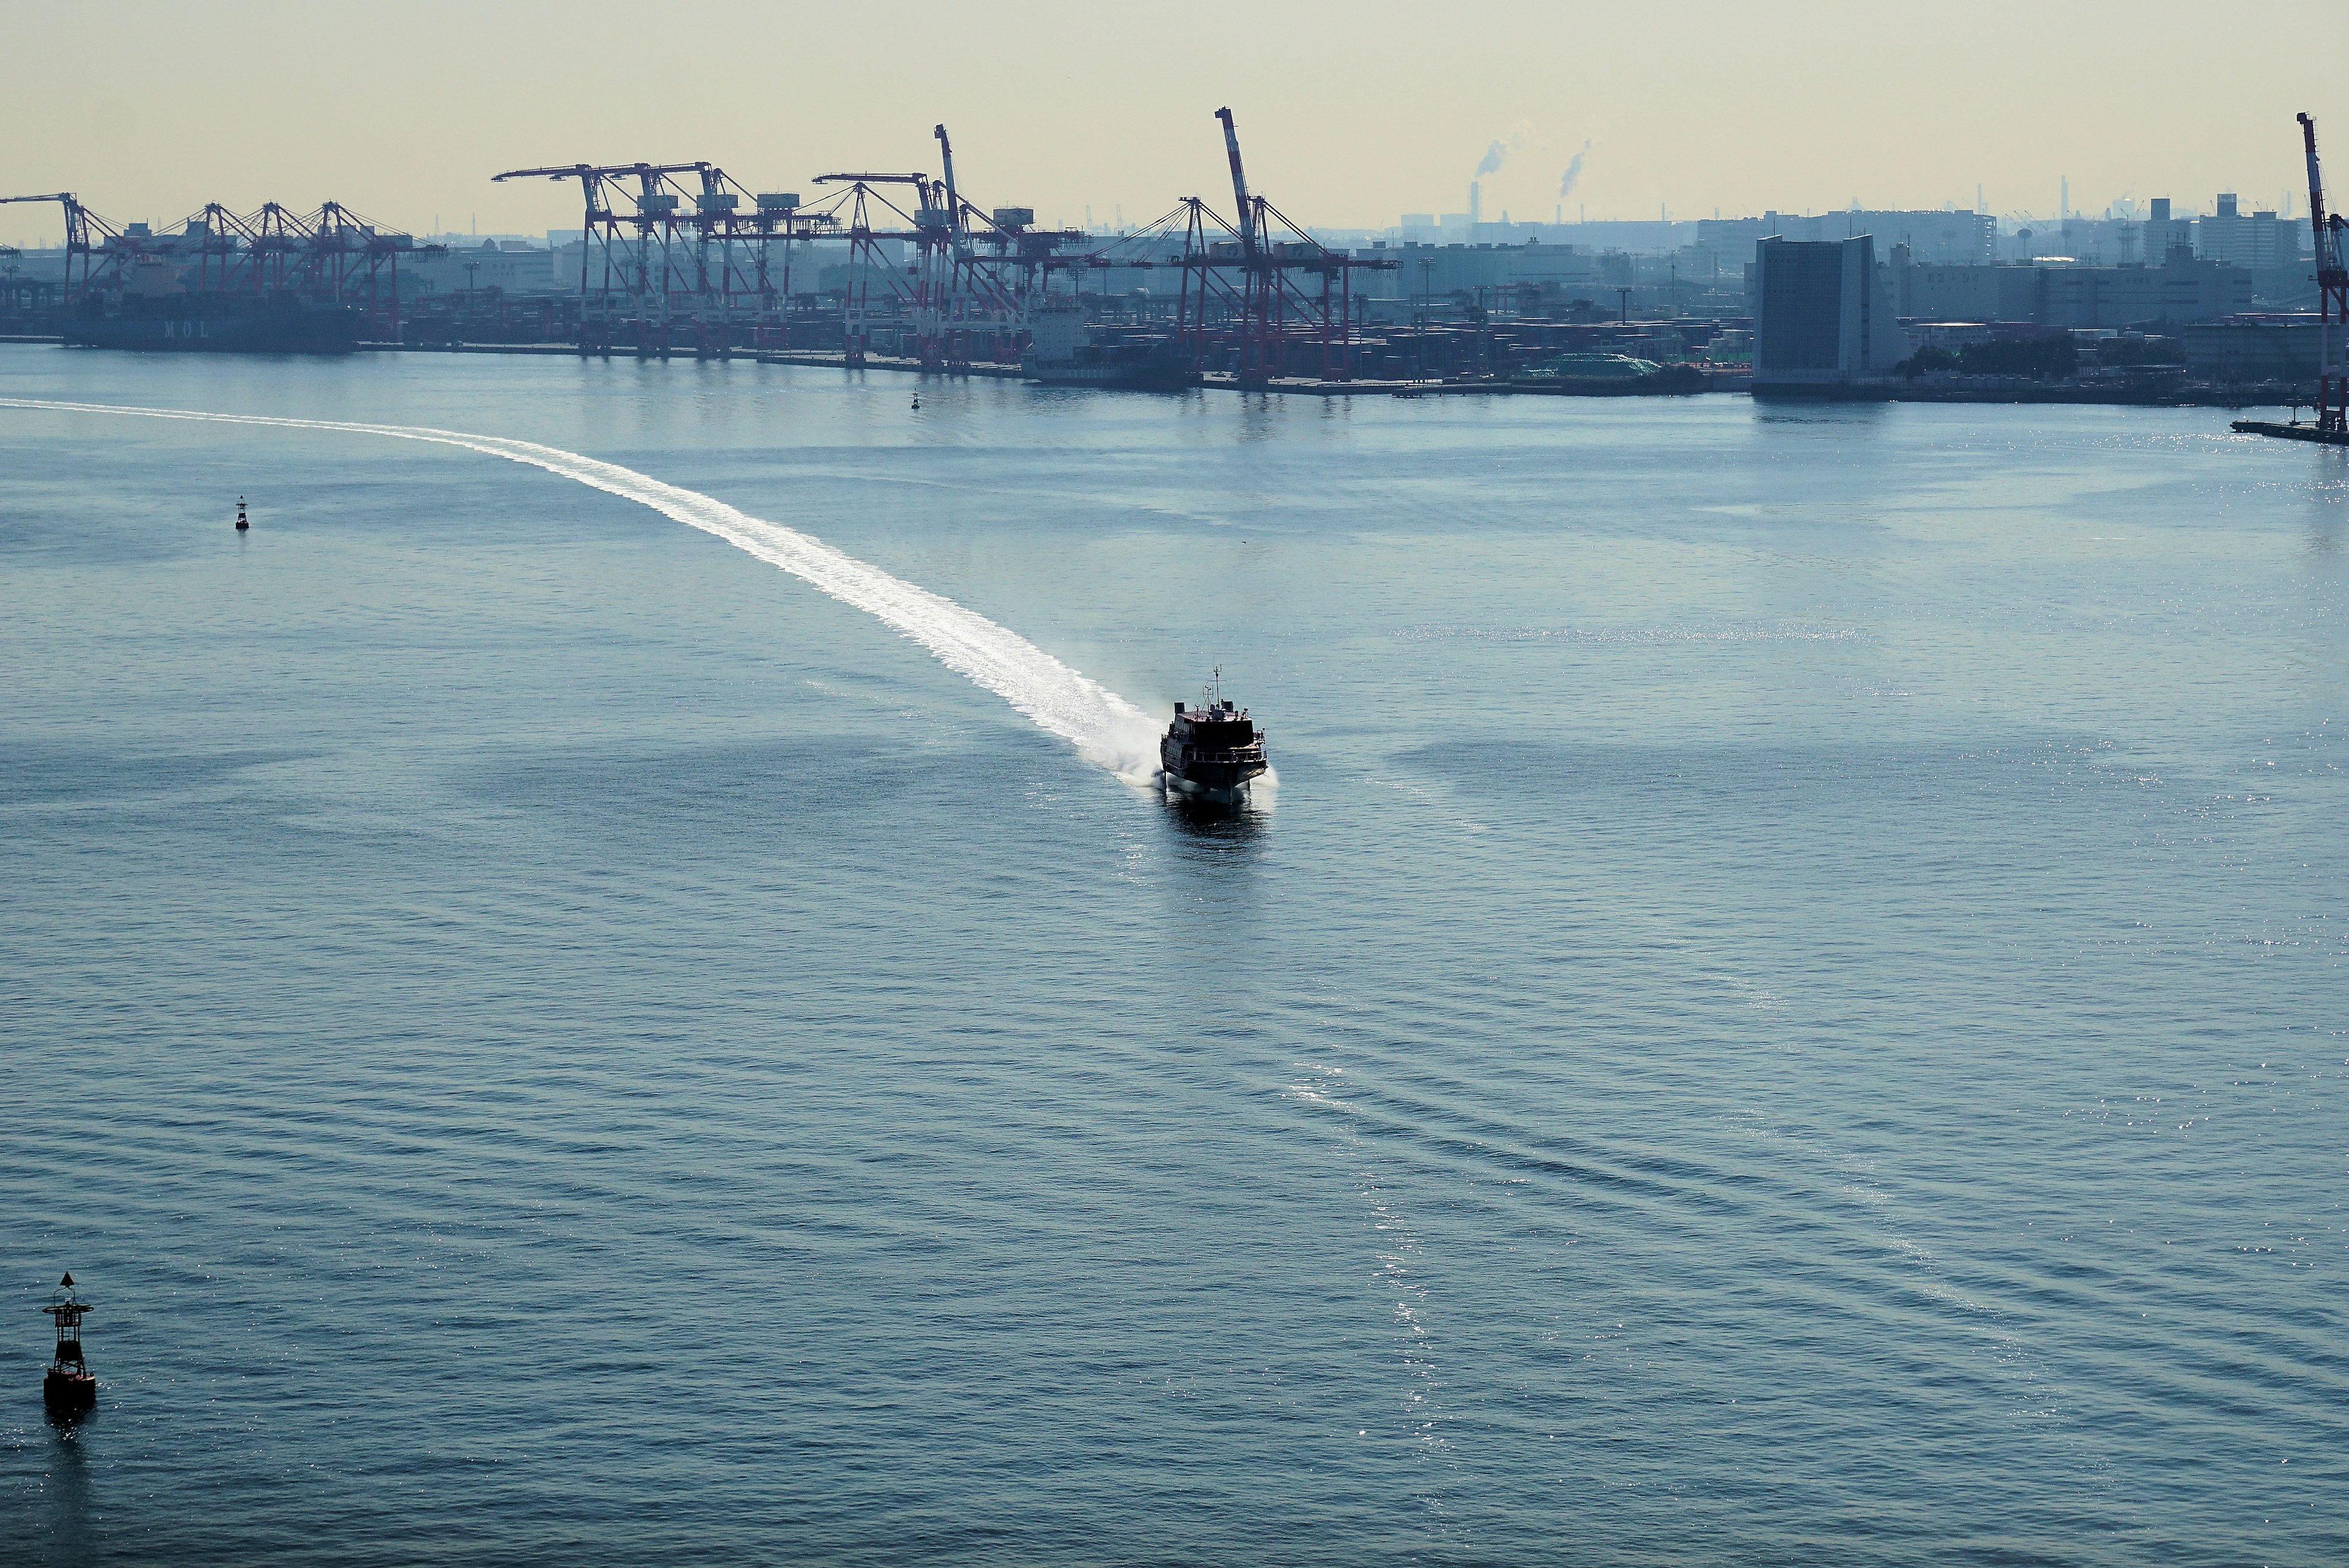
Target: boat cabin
1219 727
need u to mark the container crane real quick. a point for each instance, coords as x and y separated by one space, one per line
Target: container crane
967 275
2331 425
1289 292
992 262
2333 300
903 289
79 222
656 254
1259 283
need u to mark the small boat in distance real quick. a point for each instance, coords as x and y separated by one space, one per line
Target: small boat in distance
1214 751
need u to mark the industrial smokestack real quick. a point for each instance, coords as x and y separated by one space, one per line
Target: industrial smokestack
1475 204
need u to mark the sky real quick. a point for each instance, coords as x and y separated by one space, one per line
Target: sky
1349 115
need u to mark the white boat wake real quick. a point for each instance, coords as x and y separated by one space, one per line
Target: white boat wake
1104 727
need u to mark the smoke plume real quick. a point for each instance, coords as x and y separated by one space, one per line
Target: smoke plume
1495 155
1573 173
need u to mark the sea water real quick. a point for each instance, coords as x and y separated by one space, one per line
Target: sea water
1787 1006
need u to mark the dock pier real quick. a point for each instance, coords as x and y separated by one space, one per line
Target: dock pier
2294 432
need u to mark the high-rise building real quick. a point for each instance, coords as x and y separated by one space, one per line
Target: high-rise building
2163 235
1823 317
2255 240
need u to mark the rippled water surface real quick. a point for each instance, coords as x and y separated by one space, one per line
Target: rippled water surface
1787 1006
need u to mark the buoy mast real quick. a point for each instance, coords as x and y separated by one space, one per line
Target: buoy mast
68 1389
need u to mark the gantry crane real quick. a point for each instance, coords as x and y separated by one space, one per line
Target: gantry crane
663 265
80 222
643 280
2333 300
971 273
1273 304
955 281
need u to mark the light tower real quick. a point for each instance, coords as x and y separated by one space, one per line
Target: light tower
68 1389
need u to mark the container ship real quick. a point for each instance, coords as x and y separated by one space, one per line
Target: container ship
1064 351
213 324
1607 375
269 282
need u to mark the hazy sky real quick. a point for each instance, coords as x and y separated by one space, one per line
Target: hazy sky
1350 114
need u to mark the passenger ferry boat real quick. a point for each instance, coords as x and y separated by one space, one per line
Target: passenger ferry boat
1214 751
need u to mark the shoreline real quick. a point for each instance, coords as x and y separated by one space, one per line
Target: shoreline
1224 381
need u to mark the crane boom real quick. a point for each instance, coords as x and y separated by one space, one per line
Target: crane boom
77 215
579 170
954 201
79 221
1239 185
2328 257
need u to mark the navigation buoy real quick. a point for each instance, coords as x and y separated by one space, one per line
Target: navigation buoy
241 524
68 1389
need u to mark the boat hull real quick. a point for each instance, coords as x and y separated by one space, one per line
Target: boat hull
1223 783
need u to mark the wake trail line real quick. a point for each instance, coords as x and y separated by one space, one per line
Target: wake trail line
1105 728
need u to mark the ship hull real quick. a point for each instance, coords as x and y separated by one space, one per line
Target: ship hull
299 332
1675 381
1118 377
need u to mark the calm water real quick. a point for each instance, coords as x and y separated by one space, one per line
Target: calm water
1787 1006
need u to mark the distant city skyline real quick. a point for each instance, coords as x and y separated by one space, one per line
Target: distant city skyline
1442 230
1350 115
